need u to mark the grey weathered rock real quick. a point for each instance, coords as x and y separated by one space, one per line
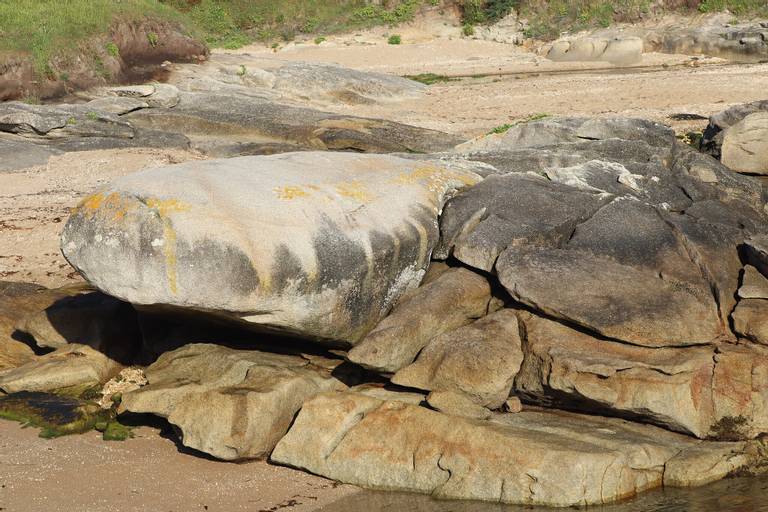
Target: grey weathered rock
531 458
340 238
639 211
750 319
754 284
299 82
17 153
254 395
617 50
616 300
454 298
558 130
72 366
745 145
479 360
509 211
250 119
61 121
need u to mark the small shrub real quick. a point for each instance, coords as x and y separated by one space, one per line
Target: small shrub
505 127
429 78
112 49
153 39
242 71
394 39
93 116
468 30
319 39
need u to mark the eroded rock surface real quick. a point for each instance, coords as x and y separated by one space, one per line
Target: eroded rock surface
534 458
72 366
340 237
452 299
479 360
232 404
610 225
745 145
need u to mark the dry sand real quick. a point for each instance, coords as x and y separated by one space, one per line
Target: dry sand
146 473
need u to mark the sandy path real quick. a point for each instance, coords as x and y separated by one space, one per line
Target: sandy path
146 473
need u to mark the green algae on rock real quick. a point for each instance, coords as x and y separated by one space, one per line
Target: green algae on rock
59 415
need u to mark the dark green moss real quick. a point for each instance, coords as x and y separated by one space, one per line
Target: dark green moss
55 415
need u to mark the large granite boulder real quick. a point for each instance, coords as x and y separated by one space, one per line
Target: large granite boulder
531 458
317 244
232 404
745 145
618 228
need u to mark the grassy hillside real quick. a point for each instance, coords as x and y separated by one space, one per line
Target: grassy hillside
234 23
549 18
47 27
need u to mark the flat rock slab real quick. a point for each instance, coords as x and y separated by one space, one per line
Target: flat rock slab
317 244
232 404
531 458
72 366
616 300
252 119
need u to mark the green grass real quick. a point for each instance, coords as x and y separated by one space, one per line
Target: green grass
737 7
46 28
235 23
430 78
394 39
505 127
549 18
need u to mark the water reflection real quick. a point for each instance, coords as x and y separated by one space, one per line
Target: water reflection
732 495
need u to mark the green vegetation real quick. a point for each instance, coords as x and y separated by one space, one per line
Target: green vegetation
68 411
235 23
430 78
394 39
319 39
112 49
47 28
486 11
468 30
737 7
549 18
505 127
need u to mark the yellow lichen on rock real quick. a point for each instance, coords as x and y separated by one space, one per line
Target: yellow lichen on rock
354 190
287 193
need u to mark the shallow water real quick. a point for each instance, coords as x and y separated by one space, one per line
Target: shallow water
731 495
